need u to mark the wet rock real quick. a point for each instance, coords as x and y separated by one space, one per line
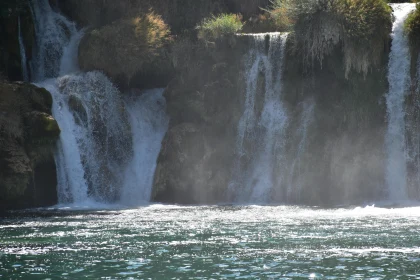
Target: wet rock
129 48
28 135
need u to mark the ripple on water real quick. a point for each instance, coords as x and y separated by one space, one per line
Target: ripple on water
234 242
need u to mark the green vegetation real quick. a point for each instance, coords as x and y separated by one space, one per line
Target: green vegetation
412 29
360 27
412 26
125 47
219 26
28 134
366 28
271 20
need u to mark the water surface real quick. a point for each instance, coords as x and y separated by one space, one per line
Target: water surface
220 242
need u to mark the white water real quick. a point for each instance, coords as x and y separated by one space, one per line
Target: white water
100 126
23 60
53 34
294 186
149 124
106 152
72 186
260 138
399 82
413 138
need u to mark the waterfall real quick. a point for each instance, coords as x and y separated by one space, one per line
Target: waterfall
100 126
294 187
53 34
413 137
23 60
260 138
108 148
149 124
399 82
72 185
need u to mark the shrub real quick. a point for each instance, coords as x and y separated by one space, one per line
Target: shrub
281 18
275 18
412 26
366 28
123 48
362 27
219 26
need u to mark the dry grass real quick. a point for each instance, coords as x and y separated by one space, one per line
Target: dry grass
412 25
360 27
366 30
125 46
219 26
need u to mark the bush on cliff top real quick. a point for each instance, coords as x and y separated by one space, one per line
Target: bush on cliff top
367 26
219 26
362 27
125 47
412 26
275 18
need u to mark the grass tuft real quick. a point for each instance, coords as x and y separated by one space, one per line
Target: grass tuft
219 26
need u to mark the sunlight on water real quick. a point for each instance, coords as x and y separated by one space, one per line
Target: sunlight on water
230 242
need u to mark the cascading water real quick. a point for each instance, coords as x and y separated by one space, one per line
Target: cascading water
399 82
260 138
101 130
413 137
149 124
23 60
53 34
72 185
294 188
108 148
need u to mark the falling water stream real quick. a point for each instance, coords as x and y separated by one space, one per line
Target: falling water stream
399 83
294 187
109 144
23 60
261 129
104 140
149 124
107 153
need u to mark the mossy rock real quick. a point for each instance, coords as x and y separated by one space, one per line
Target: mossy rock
15 170
360 28
28 135
10 61
127 48
41 126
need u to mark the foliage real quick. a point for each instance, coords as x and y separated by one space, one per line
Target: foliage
125 46
180 15
275 18
366 30
219 26
360 27
412 25
281 18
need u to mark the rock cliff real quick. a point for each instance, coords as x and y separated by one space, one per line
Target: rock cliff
28 134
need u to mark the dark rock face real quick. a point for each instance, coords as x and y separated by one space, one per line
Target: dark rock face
345 158
10 60
181 15
28 134
205 104
133 52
